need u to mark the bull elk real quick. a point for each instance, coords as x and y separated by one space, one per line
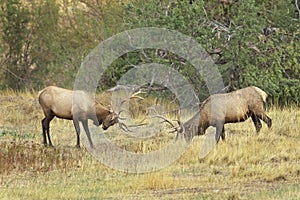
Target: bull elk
58 102
219 109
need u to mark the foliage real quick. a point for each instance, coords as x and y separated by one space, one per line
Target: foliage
44 42
252 42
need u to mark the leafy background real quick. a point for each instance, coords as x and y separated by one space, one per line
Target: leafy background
254 42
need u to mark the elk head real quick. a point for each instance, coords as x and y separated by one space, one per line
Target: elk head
110 120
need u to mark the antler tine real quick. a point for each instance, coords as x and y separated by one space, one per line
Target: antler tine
124 127
137 125
162 117
123 101
134 95
121 118
165 120
181 128
137 97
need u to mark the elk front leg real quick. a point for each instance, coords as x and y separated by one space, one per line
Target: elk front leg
219 132
87 131
77 129
223 133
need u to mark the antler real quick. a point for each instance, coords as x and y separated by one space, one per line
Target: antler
133 96
122 125
125 128
178 129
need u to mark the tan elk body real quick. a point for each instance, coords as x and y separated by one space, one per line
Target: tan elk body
58 102
219 109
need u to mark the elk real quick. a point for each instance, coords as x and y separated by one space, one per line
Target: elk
58 102
219 109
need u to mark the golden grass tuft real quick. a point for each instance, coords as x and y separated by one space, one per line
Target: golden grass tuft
157 181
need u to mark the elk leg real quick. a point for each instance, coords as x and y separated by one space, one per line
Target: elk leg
256 122
87 131
223 133
219 130
266 119
46 129
77 129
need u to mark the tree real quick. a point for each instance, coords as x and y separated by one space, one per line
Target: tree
14 37
252 42
44 42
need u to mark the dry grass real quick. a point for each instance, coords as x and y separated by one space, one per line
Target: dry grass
245 166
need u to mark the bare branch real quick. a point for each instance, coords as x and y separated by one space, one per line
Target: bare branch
298 9
205 12
13 74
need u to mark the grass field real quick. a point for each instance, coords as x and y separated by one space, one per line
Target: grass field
245 166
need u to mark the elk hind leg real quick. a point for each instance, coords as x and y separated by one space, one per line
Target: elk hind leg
46 129
266 119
